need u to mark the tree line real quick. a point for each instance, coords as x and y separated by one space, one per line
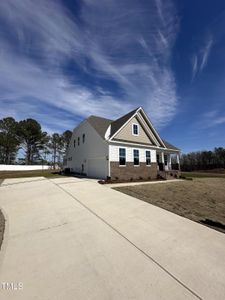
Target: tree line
203 160
39 147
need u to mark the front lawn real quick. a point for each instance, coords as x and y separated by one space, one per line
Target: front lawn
204 174
201 200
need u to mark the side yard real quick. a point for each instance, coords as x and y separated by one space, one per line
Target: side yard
33 173
201 200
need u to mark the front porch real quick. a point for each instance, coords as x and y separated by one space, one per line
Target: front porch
168 164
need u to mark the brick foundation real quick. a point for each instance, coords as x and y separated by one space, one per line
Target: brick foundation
135 172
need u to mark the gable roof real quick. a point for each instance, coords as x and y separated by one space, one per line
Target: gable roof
117 124
170 146
101 125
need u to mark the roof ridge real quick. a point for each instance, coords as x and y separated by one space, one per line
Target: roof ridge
118 123
99 118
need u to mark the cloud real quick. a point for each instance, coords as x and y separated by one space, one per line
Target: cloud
107 59
205 53
194 66
210 119
200 60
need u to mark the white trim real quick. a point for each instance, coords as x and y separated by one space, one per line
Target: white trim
148 120
138 157
107 133
125 124
149 130
143 146
138 129
125 156
146 158
109 165
152 127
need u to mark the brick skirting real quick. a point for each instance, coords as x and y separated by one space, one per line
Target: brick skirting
130 171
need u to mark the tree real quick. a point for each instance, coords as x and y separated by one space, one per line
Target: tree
9 141
66 137
56 145
32 138
220 157
203 160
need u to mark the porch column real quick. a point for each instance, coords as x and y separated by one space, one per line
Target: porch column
162 157
178 160
170 162
163 161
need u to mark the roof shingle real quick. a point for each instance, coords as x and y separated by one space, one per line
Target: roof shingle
101 125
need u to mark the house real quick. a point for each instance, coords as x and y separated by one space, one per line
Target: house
128 148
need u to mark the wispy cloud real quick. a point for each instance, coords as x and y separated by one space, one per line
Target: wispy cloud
49 56
205 53
200 60
210 119
194 66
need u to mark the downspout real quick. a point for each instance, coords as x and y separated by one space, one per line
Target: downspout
109 167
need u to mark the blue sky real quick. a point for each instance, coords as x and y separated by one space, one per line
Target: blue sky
61 61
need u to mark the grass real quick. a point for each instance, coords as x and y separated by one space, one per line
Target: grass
203 174
33 173
201 200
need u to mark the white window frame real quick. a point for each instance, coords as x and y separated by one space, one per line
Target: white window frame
125 156
133 129
146 158
138 157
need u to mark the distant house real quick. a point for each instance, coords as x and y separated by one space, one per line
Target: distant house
127 148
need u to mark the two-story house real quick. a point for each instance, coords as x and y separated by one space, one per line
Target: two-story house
127 148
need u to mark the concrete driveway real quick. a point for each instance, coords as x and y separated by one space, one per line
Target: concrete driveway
69 238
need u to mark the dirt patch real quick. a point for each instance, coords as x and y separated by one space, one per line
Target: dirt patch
2 227
201 200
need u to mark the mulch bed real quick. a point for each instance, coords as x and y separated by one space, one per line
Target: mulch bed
110 181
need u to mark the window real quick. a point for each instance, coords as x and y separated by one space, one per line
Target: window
122 156
157 157
165 159
78 141
136 157
83 138
135 129
74 143
148 158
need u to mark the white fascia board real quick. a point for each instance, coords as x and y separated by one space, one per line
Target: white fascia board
142 146
154 130
108 132
125 123
150 131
